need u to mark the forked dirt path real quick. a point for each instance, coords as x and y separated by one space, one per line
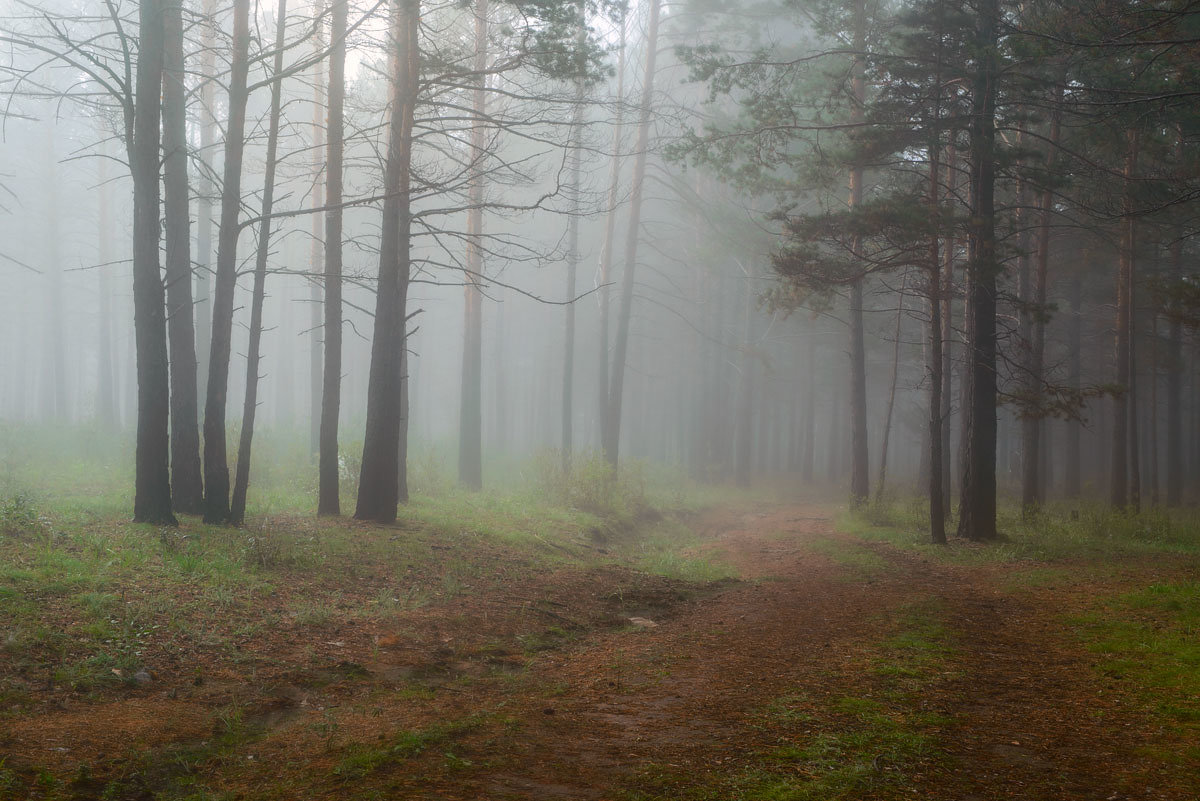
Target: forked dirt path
1030 719
677 710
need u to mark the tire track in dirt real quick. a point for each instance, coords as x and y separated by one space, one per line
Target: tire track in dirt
1031 720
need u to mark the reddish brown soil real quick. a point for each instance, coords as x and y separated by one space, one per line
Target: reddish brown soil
605 709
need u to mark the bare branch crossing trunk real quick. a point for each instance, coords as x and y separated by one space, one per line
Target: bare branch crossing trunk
152 486
187 489
216 467
241 482
382 483
328 496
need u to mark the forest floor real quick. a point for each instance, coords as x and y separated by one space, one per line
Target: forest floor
828 665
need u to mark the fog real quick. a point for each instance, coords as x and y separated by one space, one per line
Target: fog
741 346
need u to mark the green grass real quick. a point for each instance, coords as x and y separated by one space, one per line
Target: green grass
841 748
362 760
1059 532
1149 642
858 560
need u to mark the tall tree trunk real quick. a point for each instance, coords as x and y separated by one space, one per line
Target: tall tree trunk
977 504
241 483
106 388
744 433
1072 474
204 243
860 482
382 481
216 467
187 488
328 500
1025 314
152 485
1119 480
576 168
470 423
608 244
808 459
891 404
937 364
947 332
1174 360
319 306
621 346
54 365
1152 416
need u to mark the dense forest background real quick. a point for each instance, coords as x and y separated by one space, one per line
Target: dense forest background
938 246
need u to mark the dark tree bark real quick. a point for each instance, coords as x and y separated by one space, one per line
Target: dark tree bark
328 499
241 483
860 481
977 504
216 467
947 332
1174 363
1119 479
470 428
1033 479
937 365
152 485
204 196
1072 475
621 346
380 485
187 488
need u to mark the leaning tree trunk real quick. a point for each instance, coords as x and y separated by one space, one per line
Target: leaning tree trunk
152 485
241 483
382 471
328 499
470 428
607 245
621 346
187 488
891 404
860 481
977 504
216 467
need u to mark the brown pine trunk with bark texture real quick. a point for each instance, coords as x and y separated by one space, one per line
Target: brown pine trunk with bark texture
328 482
152 485
187 489
382 479
977 504
216 467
